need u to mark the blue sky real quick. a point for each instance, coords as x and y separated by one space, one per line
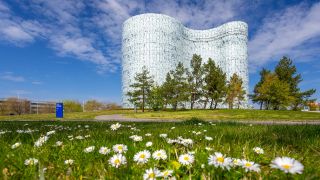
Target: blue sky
58 49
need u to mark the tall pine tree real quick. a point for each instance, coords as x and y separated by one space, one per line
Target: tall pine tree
195 79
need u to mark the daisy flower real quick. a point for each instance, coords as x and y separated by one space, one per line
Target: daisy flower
186 159
115 127
136 138
68 162
104 150
142 157
148 144
159 154
166 173
117 159
59 143
31 161
151 174
120 148
208 138
15 145
89 149
219 160
236 162
163 135
148 134
287 164
258 150
250 166
41 141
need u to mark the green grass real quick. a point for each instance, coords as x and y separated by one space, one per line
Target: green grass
223 114
234 140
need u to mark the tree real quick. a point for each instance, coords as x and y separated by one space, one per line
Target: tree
195 79
287 72
215 83
155 100
256 96
17 106
72 106
176 87
93 105
235 91
141 88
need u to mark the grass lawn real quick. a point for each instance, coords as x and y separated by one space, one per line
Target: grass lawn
223 114
234 140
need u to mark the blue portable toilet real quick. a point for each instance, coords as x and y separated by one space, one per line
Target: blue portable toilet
59 110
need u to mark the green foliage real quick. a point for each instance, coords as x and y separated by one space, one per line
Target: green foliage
195 79
215 83
72 106
235 91
155 99
93 105
141 88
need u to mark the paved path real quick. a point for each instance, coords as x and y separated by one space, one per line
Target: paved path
120 117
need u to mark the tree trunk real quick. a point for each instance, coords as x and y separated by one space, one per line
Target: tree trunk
143 100
211 103
261 103
205 103
215 104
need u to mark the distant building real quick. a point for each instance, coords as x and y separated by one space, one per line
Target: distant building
160 42
12 106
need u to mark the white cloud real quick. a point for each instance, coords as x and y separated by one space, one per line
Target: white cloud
36 82
9 76
288 32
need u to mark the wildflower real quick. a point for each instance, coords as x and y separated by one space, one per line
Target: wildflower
219 160
117 159
186 159
173 127
186 142
136 138
159 154
15 145
203 166
208 138
89 149
59 143
120 148
236 162
104 150
148 134
115 127
287 164
79 137
250 166
258 150
51 132
166 173
163 135
41 141
208 148
142 157
148 144
68 162
151 174
31 161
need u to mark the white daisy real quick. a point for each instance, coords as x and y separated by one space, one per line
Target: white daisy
136 138
208 138
151 174
15 145
148 134
68 162
31 161
79 137
258 150
115 127
219 160
41 141
89 149
159 154
142 157
59 143
186 159
148 144
104 150
236 162
287 164
120 148
166 173
51 132
250 166
117 159
163 135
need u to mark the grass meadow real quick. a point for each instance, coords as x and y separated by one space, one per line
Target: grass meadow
69 140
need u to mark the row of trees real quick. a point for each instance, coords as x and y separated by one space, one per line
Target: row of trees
203 84
279 89
88 106
14 106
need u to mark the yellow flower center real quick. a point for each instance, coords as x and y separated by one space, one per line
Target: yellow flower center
152 175
286 166
159 154
248 164
220 159
117 161
166 173
186 158
142 156
120 148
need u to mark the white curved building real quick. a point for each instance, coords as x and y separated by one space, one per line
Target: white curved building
159 42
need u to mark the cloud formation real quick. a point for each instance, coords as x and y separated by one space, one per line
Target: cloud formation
9 76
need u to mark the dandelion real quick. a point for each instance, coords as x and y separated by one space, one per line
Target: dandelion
31 161
68 162
258 150
250 166
148 144
219 160
117 159
163 135
120 148
151 174
59 143
142 157
104 150
89 149
115 127
186 159
16 145
287 164
159 154
166 173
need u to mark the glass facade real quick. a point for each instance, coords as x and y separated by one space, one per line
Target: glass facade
159 42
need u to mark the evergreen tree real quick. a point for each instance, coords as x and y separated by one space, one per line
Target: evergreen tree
141 88
235 91
257 97
156 98
195 79
215 83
